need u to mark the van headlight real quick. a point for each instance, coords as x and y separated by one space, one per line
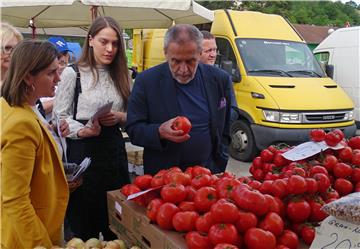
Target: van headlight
349 115
282 117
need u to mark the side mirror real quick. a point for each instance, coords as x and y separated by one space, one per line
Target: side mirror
329 69
227 66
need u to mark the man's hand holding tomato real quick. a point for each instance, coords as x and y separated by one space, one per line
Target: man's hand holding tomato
167 132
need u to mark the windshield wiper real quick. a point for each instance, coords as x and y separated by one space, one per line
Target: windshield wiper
306 72
276 71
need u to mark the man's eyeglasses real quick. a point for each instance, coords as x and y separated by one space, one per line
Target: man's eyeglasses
7 49
210 50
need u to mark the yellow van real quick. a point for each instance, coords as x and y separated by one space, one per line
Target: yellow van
281 90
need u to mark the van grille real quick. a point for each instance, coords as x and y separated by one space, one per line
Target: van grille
324 117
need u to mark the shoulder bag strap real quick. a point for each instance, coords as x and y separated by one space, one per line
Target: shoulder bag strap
77 88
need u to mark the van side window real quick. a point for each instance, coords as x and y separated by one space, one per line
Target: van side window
226 59
323 57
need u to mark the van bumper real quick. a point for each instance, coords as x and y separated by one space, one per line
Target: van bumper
265 136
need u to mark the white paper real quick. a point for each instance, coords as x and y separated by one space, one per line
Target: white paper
102 110
62 139
130 197
335 233
118 207
308 149
81 169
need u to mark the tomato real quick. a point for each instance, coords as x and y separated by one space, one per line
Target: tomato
201 181
354 142
312 186
355 176
298 171
250 200
187 206
296 185
184 221
332 139
316 213
345 154
340 133
288 238
168 173
323 181
356 157
281 247
143 182
273 204
225 186
266 186
204 198
157 180
279 188
181 123
129 189
190 193
197 240
152 208
343 186
317 135
255 184
223 211
204 222
329 162
225 246
257 163
308 234
279 160
257 238
318 169
246 221
357 187
174 193
342 170
298 210
179 178
165 214
258 174
266 155
199 170
272 223
330 194
149 196
223 233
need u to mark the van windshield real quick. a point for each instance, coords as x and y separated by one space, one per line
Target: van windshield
278 58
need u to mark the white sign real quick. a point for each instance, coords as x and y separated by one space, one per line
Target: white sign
336 234
308 149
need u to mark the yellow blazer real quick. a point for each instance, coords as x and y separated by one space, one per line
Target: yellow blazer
34 190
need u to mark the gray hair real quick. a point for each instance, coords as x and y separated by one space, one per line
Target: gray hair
182 33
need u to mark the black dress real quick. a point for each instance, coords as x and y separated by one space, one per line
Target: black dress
87 212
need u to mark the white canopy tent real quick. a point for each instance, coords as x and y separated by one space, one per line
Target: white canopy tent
80 13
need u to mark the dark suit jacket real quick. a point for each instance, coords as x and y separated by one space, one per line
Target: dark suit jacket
153 101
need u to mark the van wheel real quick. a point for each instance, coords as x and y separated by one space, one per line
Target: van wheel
242 147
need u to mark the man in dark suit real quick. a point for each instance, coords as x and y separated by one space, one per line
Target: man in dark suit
181 87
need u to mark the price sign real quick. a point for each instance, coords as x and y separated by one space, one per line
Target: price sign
337 234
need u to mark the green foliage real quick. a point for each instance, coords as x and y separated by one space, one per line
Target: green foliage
304 12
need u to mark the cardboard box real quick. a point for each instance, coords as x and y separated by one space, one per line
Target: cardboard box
130 221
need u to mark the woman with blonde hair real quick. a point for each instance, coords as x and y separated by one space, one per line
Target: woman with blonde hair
34 190
103 77
9 37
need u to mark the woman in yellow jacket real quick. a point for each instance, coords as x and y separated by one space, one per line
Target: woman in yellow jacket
34 191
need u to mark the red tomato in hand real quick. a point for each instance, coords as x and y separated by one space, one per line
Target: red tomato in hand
317 135
257 238
181 123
